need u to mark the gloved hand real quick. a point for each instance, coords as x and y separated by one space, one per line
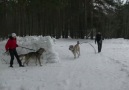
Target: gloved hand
17 45
7 52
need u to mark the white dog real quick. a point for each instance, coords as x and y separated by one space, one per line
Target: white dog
75 49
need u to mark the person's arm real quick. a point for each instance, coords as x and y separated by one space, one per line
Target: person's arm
95 38
101 38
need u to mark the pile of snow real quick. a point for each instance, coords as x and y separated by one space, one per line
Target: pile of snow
33 43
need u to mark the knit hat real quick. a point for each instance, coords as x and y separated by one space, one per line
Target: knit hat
13 34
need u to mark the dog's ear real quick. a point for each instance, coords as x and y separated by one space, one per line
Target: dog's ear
44 50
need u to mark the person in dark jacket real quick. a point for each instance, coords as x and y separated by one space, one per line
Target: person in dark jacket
11 47
98 39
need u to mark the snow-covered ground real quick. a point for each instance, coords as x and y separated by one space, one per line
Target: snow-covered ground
108 70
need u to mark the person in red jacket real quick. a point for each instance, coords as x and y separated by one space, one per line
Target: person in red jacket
11 47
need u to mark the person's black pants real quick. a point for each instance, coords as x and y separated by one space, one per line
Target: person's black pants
99 45
13 53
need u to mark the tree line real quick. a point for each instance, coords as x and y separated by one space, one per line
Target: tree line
74 18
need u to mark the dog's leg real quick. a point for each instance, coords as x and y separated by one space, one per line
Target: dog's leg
39 61
21 58
26 61
36 62
79 52
74 55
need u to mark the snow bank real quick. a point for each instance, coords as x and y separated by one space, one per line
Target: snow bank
33 43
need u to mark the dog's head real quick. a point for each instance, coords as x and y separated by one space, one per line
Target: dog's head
71 47
22 56
41 50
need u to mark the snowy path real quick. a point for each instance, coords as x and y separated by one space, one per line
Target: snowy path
96 71
108 70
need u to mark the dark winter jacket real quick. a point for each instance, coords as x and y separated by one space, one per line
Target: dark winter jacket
98 38
11 43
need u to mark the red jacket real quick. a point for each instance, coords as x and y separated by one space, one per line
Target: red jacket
11 44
